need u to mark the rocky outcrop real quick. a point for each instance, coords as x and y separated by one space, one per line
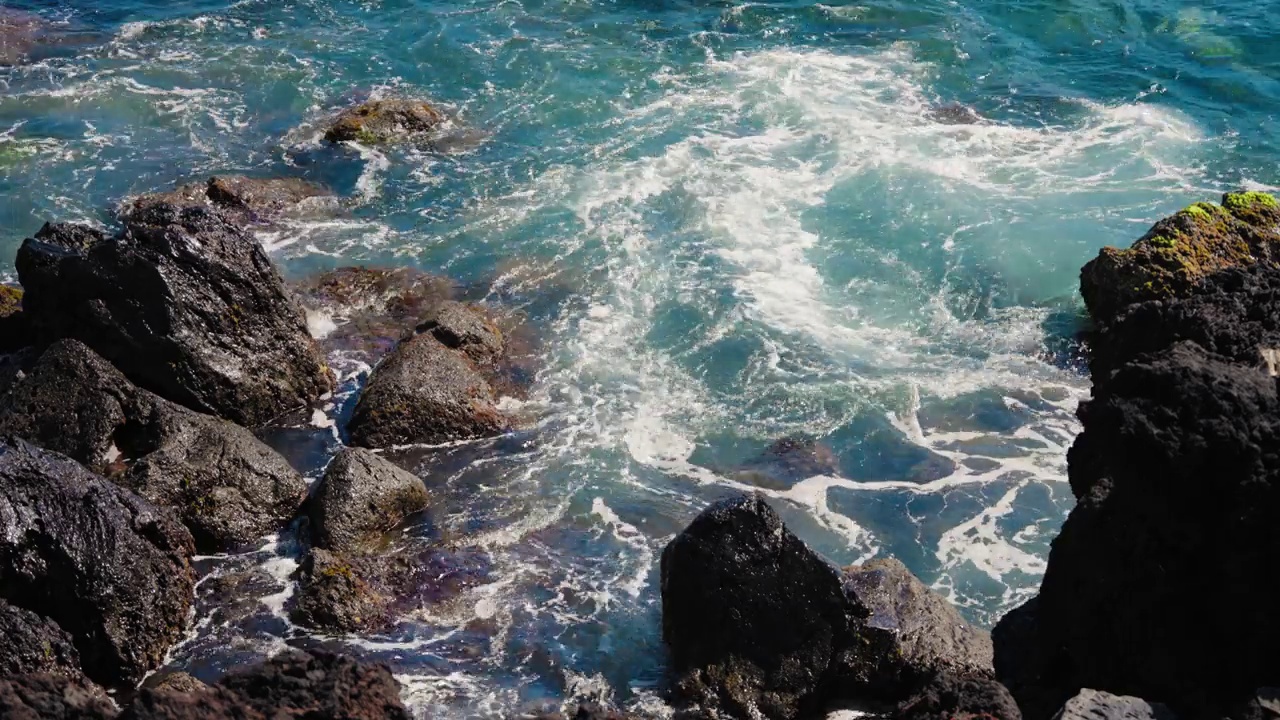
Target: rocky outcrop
319 684
949 696
1181 252
227 487
759 624
360 497
30 643
435 387
1094 705
242 200
52 697
1153 586
292 685
109 568
378 122
185 303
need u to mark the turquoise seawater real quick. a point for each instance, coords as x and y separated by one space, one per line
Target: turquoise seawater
727 223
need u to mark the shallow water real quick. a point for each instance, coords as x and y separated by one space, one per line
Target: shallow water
728 223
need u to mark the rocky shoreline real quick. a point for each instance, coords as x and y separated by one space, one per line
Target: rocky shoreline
139 364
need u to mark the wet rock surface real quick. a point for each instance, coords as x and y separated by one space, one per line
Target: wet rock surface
240 199
30 643
109 568
379 122
425 392
184 303
227 487
52 697
295 684
1175 475
367 311
360 497
354 593
757 623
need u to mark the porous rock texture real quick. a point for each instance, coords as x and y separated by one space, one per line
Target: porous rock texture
227 487
112 570
1154 586
184 303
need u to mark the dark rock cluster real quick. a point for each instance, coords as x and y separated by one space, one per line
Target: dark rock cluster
759 625
1154 586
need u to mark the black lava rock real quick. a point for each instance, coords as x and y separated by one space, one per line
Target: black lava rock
185 303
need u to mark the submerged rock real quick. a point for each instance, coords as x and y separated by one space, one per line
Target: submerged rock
294 684
369 310
20 33
1094 705
186 304
30 643
1177 255
240 199
109 568
788 461
228 487
760 625
426 392
360 497
358 593
379 122
52 697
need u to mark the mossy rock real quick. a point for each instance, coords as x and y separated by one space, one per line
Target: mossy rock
15 331
1179 252
380 122
10 300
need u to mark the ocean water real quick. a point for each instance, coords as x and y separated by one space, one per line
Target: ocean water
727 223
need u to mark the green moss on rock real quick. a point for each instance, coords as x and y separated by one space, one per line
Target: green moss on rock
1175 256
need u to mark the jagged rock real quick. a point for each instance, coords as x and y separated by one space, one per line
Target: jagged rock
30 643
379 122
1264 704
1094 705
929 635
107 566
228 487
360 497
465 328
186 304
355 593
15 331
1181 251
52 697
1176 476
291 685
243 200
1234 313
757 623
949 696
425 392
